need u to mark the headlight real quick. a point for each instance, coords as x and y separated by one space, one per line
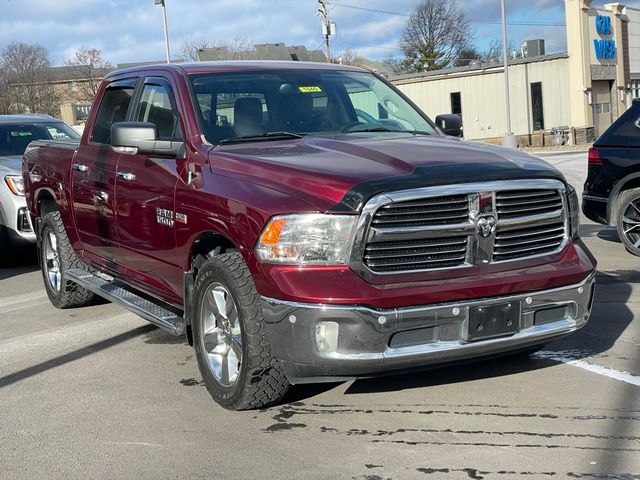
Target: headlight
15 184
307 239
574 212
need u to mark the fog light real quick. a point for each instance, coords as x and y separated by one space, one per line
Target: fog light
327 336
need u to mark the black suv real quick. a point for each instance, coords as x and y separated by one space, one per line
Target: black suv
612 190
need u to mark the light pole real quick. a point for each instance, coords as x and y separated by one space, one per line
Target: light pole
166 28
509 139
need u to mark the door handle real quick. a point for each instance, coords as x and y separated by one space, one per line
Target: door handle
101 197
80 168
126 176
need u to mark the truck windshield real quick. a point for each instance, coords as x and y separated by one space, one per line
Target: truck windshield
253 106
15 137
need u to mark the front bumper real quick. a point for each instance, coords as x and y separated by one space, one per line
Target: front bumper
14 216
374 342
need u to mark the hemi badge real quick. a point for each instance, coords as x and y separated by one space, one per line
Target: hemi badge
181 218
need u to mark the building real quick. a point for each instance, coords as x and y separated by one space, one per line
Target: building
263 51
583 90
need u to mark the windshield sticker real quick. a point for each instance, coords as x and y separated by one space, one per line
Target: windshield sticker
310 89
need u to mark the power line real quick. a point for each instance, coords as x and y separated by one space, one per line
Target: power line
482 22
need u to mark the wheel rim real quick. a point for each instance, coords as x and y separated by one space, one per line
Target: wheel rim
222 335
631 223
52 260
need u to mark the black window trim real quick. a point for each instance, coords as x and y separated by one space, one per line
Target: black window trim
117 83
157 81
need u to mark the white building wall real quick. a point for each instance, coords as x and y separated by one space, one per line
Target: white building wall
482 94
633 15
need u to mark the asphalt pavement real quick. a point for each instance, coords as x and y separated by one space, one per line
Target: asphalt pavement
98 393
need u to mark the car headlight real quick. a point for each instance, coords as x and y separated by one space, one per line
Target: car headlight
307 239
15 184
574 212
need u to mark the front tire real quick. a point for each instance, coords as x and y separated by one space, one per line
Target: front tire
230 341
628 220
56 258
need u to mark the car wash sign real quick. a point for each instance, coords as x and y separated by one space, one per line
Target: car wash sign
605 48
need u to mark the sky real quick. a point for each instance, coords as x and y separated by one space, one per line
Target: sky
132 30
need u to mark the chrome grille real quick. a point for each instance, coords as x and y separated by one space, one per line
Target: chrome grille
417 235
519 203
412 255
460 226
428 211
525 242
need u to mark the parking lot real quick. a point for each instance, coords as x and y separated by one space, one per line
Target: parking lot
99 393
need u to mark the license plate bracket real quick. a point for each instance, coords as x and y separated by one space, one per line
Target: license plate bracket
493 321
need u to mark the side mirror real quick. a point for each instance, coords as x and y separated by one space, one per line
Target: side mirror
450 124
142 138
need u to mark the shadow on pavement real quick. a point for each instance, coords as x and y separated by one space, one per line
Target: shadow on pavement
18 262
72 356
601 231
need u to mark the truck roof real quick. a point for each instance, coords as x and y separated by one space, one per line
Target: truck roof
27 118
237 66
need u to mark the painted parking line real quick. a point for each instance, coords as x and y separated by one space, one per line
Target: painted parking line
571 358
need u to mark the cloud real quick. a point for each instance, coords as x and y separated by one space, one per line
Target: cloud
132 30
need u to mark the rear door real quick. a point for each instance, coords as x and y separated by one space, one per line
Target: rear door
145 198
93 177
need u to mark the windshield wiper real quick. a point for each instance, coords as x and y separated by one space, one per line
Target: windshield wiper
261 137
385 129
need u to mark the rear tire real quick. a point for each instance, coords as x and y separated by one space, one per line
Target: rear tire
229 337
628 220
56 258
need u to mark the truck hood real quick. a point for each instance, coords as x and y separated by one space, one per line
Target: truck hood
340 173
11 165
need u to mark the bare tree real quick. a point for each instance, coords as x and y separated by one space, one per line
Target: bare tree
5 100
190 47
436 32
350 57
494 52
29 82
87 69
192 50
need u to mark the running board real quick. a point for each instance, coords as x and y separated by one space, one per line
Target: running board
109 289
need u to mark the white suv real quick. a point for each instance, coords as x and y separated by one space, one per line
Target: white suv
16 132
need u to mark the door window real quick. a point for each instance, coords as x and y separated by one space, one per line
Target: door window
113 108
156 107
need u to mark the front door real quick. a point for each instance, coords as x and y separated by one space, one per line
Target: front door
93 178
601 104
145 200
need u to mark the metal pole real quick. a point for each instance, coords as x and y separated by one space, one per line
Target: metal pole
328 46
166 31
509 139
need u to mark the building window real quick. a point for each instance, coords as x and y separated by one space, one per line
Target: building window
635 89
537 111
600 108
456 103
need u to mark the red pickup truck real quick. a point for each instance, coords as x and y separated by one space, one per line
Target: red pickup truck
304 223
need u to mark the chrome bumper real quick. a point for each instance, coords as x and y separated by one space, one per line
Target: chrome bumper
368 339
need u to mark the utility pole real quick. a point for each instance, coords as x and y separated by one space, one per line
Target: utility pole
166 28
328 27
509 139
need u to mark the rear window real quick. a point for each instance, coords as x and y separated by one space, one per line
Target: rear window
625 130
15 138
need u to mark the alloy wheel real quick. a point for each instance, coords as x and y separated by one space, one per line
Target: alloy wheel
222 335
